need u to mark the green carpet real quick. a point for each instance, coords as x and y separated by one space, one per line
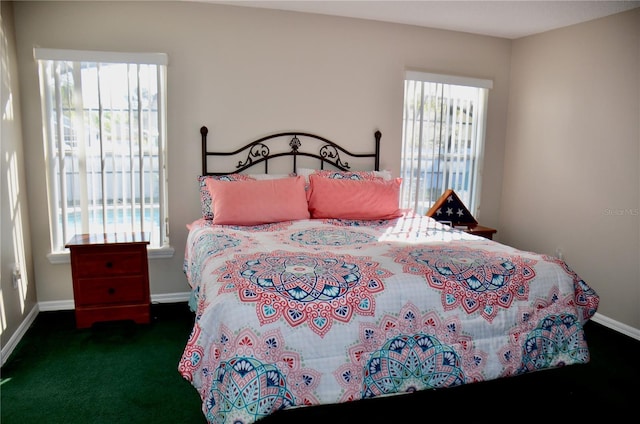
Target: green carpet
115 372
120 372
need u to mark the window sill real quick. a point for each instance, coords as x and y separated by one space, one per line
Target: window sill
165 252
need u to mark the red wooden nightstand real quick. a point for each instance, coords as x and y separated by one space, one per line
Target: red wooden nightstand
110 278
480 230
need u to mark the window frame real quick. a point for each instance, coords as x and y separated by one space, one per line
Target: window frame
53 146
411 191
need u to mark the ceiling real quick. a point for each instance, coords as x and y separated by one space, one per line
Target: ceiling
505 19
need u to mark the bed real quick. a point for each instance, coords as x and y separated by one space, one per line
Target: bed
311 287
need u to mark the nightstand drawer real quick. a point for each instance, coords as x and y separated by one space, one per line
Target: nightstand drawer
103 291
96 264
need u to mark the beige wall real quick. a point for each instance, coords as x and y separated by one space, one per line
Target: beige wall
16 302
571 173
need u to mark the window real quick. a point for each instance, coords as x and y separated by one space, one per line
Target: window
104 132
443 139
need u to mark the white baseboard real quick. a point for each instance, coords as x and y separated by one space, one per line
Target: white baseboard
170 297
56 305
18 334
617 326
64 305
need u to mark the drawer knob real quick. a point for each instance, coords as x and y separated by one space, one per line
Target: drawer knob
109 264
111 290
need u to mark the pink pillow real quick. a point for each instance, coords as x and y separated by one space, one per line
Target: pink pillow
354 199
205 197
254 202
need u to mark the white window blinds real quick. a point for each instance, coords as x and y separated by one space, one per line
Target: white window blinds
443 138
104 130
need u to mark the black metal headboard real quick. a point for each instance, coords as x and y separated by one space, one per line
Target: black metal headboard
258 151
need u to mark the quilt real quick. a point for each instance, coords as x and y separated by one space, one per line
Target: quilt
320 311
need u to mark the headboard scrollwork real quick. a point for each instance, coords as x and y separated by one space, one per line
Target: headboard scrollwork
258 151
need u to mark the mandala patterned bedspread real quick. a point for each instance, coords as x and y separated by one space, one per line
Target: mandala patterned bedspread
312 312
